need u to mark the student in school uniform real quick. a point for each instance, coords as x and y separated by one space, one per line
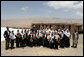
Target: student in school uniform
22 42
59 32
34 39
45 39
38 38
41 36
29 36
12 38
31 39
56 39
18 37
48 40
67 38
62 42
25 37
52 40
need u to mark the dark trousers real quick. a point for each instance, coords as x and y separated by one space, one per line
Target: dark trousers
38 42
27 41
34 42
7 43
47 44
51 45
12 43
41 41
31 44
23 43
56 45
18 42
44 43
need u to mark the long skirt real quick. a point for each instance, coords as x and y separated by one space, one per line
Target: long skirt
51 45
34 42
31 44
27 41
45 42
56 44
67 41
17 42
62 43
23 43
41 42
38 42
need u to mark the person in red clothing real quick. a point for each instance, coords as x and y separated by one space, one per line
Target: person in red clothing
38 38
25 37
18 39
34 39
31 39
52 40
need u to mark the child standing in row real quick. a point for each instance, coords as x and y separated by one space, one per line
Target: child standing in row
12 38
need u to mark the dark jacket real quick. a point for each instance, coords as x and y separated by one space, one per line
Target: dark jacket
34 29
6 35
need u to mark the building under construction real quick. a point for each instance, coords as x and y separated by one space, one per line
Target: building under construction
72 26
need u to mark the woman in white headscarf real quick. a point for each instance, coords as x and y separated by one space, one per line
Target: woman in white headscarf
67 36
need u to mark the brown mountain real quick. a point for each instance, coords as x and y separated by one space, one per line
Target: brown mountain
28 21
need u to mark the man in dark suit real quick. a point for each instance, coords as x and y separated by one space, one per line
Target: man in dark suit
75 39
34 29
6 36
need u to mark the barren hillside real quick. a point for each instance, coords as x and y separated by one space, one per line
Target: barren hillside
28 21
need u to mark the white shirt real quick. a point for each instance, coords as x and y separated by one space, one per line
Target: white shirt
22 34
67 34
55 31
48 30
12 36
52 31
8 32
45 35
57 37
62 34
29 33
76 34
37 34
52 37
34 35
40 34
48 36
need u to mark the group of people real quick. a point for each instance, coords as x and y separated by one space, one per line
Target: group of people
33 37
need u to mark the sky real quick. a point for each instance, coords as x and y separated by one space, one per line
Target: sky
54 9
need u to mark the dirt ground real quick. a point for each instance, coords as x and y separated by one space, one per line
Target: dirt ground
43 51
